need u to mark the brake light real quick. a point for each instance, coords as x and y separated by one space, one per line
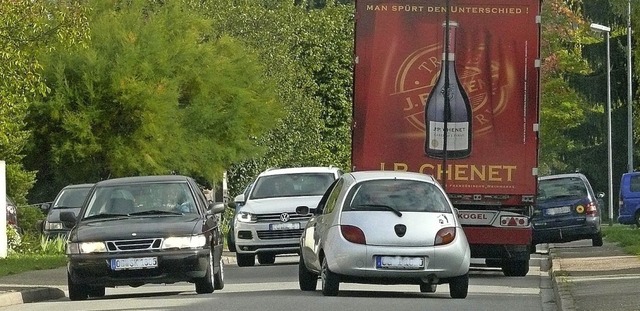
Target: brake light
591 209
353 234
445 236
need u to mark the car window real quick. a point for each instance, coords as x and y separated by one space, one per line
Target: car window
402 195
333 197
634 183
286 185
136 198
570 187
71 197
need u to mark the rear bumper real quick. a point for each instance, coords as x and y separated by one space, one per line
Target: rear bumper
564 234
173 266
498 235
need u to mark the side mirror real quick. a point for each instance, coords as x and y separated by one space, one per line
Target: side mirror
600 195
216 208
45 207
68 219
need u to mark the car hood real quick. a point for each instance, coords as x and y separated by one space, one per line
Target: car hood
54 213
136 228
279 205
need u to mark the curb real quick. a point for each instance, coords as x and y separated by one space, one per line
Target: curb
561 284
30 295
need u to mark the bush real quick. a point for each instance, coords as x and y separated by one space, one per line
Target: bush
13 239
29 218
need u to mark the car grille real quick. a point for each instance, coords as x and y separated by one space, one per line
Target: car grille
280 234
276 217
134 245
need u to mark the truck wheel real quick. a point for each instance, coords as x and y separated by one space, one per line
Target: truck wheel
307 279
515 267
459 286
330 280
597 239
76 291
245 260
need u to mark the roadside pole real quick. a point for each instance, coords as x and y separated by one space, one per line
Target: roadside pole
3 211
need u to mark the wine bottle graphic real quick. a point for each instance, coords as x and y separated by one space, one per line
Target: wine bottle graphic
454 114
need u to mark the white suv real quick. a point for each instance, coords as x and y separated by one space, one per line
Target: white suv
269 222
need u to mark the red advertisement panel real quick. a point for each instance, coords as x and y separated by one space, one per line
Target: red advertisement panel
491 141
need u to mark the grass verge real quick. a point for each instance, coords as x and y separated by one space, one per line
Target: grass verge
625 236
18 263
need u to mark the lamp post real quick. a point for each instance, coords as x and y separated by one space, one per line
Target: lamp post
629 96
606 30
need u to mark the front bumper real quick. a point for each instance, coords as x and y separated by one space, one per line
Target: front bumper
173 266
253 238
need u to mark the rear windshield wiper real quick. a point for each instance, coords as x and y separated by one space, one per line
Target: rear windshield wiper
105 215
155 212
387 207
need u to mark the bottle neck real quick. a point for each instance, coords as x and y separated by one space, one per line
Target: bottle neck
451 44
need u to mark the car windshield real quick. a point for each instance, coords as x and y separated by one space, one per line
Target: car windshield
142 199
290 185
570 187
71 198
399 195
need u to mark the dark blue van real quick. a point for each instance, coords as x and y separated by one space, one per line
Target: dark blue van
629 199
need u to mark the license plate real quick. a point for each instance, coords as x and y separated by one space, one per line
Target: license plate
558 210
134 263
285 226
399 262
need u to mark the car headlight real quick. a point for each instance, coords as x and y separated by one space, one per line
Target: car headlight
86 248
246 217
53 226
196 241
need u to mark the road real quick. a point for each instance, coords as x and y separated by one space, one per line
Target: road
275 288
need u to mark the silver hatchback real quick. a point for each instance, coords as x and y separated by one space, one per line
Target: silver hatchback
385 227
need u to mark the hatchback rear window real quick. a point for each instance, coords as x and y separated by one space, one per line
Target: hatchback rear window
561 188
401 195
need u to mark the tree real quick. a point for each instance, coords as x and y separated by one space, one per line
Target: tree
151 93
25 27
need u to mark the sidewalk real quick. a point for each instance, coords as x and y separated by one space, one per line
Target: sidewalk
41 285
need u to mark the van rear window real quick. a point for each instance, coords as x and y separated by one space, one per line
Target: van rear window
635 183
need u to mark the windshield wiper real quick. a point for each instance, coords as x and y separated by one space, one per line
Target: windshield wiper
156 212
104 215
387 207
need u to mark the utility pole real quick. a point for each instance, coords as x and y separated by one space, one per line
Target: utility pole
629 94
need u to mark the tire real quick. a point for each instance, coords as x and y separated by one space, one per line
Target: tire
515 268
230 245
597 240
205 285
218 278
459 287
308 280
428 288
330 280
76 291
245 260
266 259
96 291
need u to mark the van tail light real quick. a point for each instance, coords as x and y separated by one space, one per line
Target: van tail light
591 209
445 236
353 234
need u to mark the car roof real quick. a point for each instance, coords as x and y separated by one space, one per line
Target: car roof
297 170
370 175
78 186
142 179
568 175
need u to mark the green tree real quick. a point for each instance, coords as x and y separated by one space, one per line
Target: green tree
25 27
151 93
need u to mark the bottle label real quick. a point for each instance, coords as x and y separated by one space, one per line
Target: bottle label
457 135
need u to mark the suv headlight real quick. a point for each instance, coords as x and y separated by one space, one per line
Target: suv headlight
53 226
246 217
196 241
86 248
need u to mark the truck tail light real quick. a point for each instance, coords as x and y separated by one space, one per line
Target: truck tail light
591 209
445 236
514 221
353 234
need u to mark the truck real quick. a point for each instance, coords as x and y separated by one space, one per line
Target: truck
466 112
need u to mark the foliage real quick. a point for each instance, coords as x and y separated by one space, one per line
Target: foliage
14 240
29 219
55 246
627 237
151 93
18 263
27 26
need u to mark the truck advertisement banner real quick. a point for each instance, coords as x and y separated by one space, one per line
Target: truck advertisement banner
491 117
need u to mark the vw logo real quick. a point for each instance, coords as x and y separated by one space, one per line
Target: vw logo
284 217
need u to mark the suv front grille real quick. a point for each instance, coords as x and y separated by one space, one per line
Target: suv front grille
280 234
275 217
134 245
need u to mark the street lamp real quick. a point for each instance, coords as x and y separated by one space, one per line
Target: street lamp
606 30
629 96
